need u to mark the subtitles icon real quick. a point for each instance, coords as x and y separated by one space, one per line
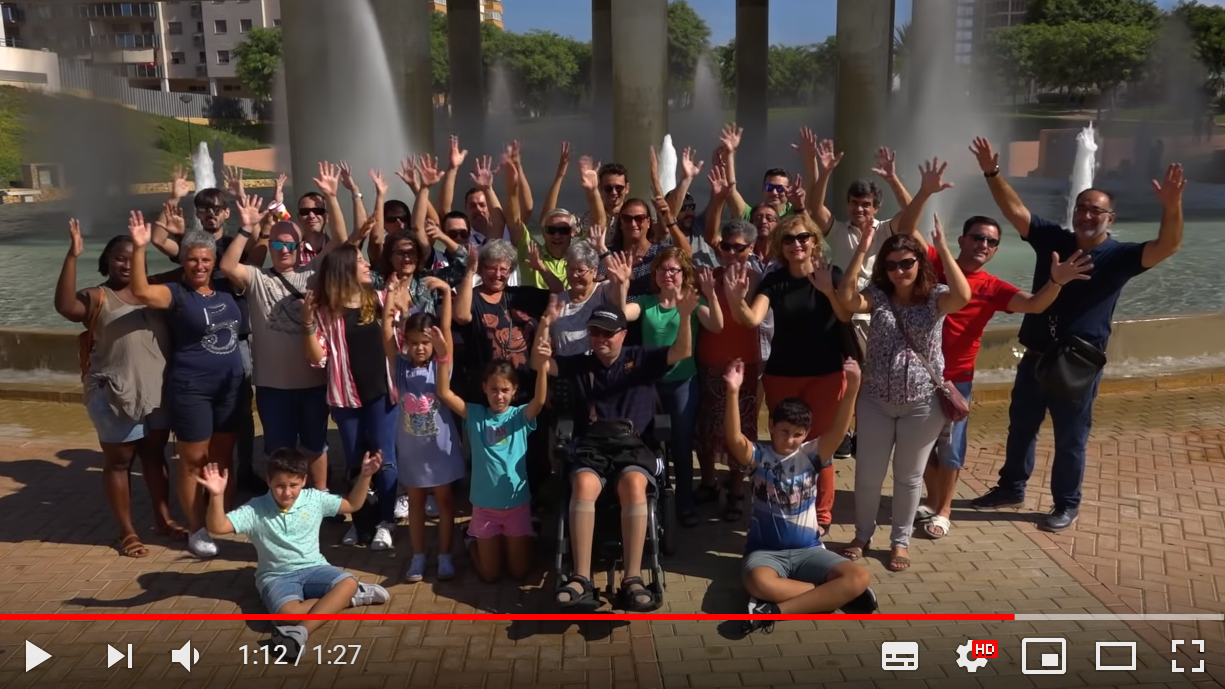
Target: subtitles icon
185 656
1048 663
973 654
1103 645
899 655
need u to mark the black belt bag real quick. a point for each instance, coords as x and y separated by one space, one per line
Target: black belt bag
1070 366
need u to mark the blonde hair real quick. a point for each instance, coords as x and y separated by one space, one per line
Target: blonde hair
787 225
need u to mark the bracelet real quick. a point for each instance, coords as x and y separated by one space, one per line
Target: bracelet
605 255
442 359
993 173
671 224
244 232
311 328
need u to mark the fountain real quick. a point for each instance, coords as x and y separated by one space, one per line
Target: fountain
667 165
202 168
500 126
1083 168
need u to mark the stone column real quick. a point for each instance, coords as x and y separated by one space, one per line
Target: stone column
601 79
305 59
752 85
930 71
467 73
865 40
640 86
405 30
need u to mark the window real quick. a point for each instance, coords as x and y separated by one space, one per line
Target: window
276 22
223 57
231 87
199 27
203 57
121 28
244 25
220 26
178 58
493 15
146 27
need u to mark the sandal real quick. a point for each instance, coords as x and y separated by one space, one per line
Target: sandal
937 527
899 563
705 494
131 546
641 599
924 513
173 531
569 597
854 552
734 510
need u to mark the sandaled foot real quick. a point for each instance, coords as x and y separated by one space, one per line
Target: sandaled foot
131 546
937 527
635 596
899 561
577 592
855 550
923 514
173 530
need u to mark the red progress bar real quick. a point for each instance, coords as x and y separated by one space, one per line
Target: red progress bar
494 616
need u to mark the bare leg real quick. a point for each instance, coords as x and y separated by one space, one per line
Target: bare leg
632 491
152 454
845 582
192 458
446 517
319 472
221 453
334 601
519 557
585 490
487 556
416 519
116 485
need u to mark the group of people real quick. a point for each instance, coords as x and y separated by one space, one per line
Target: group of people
446 344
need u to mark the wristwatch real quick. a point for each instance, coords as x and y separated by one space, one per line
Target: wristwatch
357 194
993 173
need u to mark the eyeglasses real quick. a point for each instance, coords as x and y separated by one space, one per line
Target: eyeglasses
577 271
991 241
401 219
689 207
636 219
801 238
283 246
733 248
763 218
403 254
903 265
313 211
558 230
210 210
775 188
670 272
1093 211
614 188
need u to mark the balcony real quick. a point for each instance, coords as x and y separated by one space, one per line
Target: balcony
128 41
12 14
144 71
96 10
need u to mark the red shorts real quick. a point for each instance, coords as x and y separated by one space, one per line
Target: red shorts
514 522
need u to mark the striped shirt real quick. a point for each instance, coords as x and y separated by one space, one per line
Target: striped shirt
342 389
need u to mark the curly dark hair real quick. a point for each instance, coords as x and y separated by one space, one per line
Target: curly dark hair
104 260
924 281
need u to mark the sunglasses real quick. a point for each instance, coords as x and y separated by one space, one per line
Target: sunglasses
801 238
775 188
636 219
210 210
283 246
689 207
458 235
558 230
403 254
904 264
610 188
401 219
600 333
733 248
991 241
313 211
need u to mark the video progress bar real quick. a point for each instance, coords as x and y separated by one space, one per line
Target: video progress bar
1191 617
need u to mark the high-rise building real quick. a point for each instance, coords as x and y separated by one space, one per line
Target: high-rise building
981 17
167 46
491 10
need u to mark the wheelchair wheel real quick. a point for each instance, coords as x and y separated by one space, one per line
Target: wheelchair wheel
667 509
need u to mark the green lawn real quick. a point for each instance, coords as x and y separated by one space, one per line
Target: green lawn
164 140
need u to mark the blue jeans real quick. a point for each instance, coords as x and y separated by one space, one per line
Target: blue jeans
1071 422
951 450
680 401
366 429
294 418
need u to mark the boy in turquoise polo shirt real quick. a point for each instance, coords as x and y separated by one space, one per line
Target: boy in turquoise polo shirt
291 573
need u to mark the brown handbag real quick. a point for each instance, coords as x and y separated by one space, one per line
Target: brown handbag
952 403
85 341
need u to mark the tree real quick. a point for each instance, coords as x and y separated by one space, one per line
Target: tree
542 65
259 56
440 69
688 39
1009 57
901 48
1207 25
1144 13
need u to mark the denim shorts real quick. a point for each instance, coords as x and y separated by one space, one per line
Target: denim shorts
951 448
304 584
294 418
116 429
809 565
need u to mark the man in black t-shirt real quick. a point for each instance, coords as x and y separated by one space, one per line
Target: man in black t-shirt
615 386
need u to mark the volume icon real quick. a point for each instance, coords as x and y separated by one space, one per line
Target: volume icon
185 656
114 655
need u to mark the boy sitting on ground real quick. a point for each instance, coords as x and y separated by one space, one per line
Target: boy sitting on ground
786 568
292 575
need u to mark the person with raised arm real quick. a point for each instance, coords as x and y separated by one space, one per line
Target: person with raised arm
541 265
481 205
1065 345
899 412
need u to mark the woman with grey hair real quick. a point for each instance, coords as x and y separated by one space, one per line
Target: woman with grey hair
544 264
205 370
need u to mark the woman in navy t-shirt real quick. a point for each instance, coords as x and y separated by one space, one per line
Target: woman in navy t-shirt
205 370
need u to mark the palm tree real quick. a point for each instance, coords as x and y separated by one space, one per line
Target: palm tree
901 49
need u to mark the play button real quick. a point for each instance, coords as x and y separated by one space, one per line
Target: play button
35 656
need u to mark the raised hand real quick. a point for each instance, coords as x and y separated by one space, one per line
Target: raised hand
938 239
372 462
473 261
706 283
542 353
380 184
796 193
179 186
619 268
328 180
76 244
438 340
279 188
427 168
886 163
172 217
516 153
563 160
483 177
533 257
507 160
552 312
346 176
688 302
138 229
736 282
822 277
733 376
807 147
233 181
662 210
250 210
850 368
1077 267
931 173
729 138
599 236
689 169
1169 190
589 176
214 479
434 284
988 160
719 186
456 156
827 158
367 227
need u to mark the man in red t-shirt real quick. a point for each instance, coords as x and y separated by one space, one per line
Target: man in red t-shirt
963 332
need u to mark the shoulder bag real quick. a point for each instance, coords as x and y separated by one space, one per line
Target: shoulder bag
1070 365
85 341
952 403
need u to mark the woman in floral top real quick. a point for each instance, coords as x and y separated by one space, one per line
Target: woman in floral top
898 411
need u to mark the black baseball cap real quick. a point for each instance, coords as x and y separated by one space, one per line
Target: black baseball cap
607 319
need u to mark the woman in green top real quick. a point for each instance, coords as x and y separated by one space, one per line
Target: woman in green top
671 273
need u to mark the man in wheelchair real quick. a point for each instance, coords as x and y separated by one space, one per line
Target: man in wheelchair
615 384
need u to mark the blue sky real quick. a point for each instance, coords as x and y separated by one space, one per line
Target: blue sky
792 22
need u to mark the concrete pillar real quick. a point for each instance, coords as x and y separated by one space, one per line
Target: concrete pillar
467 73
212 86
930 69
752 86
865 39
405 29
305 59
165 86
601 78
640 86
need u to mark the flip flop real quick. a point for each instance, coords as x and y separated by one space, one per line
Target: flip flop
854 552
937 527
131 546
173 531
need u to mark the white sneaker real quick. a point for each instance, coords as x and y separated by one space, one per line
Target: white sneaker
369 594
431 507
201 544
402 507
350 536
382 536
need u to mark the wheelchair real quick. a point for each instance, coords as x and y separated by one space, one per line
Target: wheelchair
606 550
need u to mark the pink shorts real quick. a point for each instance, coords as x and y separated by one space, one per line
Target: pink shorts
514 522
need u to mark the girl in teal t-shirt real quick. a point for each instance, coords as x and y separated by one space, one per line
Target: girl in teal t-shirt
671 272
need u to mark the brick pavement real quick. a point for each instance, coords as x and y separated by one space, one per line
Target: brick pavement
1149 538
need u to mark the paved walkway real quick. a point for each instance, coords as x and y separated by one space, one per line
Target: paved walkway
1150 539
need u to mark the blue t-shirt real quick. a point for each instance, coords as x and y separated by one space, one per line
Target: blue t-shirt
784 499
205 333
1084 308
499 456
285 541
